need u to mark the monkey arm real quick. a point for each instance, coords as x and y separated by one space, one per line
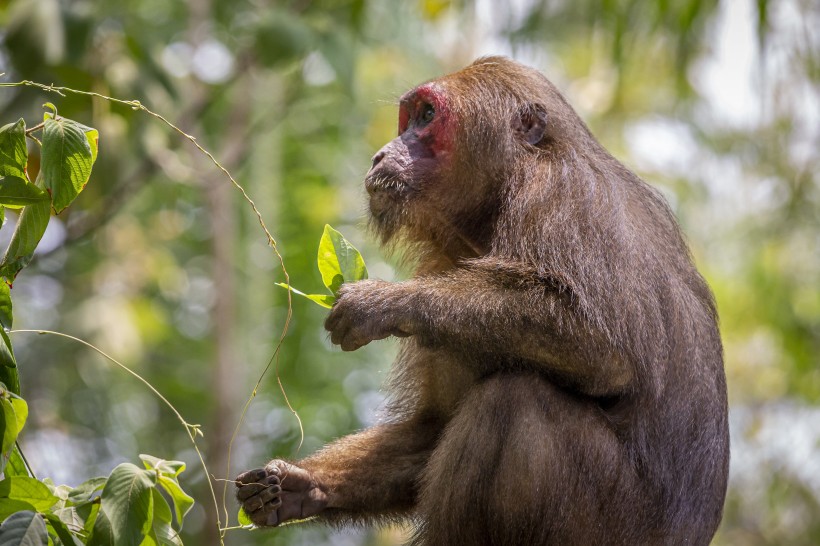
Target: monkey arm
364 476
488 306
373 473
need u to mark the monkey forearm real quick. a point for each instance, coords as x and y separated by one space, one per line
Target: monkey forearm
373 472
489 307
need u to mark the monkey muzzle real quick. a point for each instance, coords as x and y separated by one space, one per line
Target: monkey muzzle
384 191
397 172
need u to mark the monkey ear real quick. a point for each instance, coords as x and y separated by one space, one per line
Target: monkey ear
530 124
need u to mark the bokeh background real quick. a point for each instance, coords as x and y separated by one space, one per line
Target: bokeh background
159 262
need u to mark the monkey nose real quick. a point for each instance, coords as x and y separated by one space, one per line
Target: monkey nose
377 158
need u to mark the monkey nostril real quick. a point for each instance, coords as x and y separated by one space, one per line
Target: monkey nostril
377 158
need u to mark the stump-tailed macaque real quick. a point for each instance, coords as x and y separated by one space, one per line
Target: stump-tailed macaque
561 375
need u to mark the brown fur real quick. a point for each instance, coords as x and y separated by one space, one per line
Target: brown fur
562 378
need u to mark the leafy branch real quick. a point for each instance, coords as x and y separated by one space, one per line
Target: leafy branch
275 358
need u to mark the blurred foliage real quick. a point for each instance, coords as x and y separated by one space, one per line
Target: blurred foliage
294 97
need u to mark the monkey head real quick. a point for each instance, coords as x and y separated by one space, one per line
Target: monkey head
461 138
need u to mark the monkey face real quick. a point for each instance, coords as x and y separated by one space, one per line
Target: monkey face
406 168
460 140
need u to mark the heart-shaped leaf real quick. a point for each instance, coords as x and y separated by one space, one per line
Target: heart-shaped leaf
68 153
339 261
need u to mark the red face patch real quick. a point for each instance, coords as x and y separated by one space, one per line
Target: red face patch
425 111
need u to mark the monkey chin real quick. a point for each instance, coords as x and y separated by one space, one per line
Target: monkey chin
389 198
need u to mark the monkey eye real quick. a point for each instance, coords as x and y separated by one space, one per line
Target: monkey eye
427 114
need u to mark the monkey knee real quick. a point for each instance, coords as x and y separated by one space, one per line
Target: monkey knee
505 425
533 432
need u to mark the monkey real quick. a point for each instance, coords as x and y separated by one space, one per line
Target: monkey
560 378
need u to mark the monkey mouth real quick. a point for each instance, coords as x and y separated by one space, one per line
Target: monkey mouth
385 192
376 182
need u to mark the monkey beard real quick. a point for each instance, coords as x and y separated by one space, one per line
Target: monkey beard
390 197
413 220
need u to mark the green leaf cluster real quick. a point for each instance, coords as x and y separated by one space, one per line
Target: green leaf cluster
339 262
127 507
134 512
131 506
68 151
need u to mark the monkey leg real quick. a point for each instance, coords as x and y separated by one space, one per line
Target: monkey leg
523 462
370 476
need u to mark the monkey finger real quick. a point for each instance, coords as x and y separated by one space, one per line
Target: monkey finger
251 476
336 337
247 491
349 345
340 333
270 493
267 499
330 321
335 317
250 489
253 504
355 338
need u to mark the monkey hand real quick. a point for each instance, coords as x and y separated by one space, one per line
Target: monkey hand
369 310
279 492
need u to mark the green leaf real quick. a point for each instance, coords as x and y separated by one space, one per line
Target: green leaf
24 529
88 514
339 261
126 508
13 414
325 300
69 151
243 518
61 530
30 228
13 151
16 466
168 472
164 467
182 501
17 192
6 318
10 506
162 512
59 491
85 491
162 534
49 115
8 365
19 492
